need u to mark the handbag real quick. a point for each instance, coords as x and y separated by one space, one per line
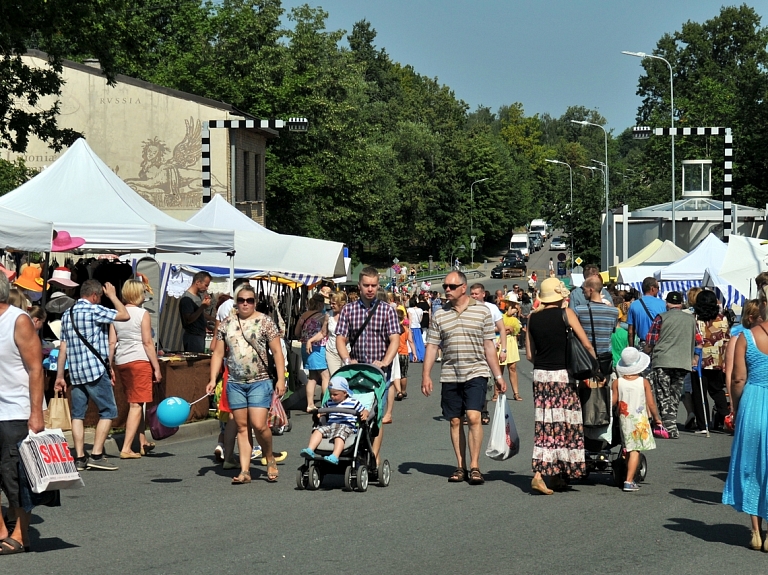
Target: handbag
604 359
157 429
48 462
504 442
579 363
58 415
595 404
277 417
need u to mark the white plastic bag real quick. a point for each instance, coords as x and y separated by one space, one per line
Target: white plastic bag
503 442
48 462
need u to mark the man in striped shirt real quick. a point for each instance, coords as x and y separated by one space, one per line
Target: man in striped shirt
604 318
466 331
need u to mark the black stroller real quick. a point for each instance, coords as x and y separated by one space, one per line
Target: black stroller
357 462
600 457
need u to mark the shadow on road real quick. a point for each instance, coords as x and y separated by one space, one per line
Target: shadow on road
43 544
522 482
728 533
698 496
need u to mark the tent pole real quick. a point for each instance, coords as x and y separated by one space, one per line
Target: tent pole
44 299
232 275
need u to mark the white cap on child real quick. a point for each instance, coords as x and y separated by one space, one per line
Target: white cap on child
340 384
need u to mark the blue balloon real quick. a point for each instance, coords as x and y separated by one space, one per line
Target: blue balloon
173 411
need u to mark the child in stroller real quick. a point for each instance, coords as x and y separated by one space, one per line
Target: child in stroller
340 424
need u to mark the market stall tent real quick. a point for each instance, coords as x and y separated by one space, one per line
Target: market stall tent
24 233
710 253
81 194
650 263
744 259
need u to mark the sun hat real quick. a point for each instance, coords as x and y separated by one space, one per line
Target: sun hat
55 326
8 273
63 277
63 242
59 303
552 290
339 383
632 362
30 279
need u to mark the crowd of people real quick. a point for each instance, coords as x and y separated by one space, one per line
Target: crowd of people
649 352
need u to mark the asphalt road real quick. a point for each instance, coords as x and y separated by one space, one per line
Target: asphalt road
176 512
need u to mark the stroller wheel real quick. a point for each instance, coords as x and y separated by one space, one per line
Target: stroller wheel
348 478
301 478
384 473
642 469
314 478
361 480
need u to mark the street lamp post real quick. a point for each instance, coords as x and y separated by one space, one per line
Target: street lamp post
643 55
471 223
570 210
606 263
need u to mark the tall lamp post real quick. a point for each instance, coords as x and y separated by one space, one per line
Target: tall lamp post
643 55
606 263
570 211
471 223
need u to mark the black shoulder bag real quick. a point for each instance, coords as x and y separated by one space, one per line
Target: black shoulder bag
604 359
87 343
578 361
270 363
359 332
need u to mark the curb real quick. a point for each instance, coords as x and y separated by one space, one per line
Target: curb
186 432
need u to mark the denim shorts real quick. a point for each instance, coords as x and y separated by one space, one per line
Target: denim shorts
253 394
458 398
100 391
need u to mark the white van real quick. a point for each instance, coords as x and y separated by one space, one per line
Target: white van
539 226
520 242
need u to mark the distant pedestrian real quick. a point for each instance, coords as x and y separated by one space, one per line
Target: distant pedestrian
715 333
466 331
21 410
193 307
551 267
643 311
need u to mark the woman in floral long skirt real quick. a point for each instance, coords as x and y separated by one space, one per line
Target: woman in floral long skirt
558 448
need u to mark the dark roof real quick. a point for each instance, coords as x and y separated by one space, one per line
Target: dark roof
120 78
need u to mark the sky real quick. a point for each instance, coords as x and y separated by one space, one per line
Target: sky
546 54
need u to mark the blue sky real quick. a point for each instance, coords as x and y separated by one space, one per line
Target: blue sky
546 54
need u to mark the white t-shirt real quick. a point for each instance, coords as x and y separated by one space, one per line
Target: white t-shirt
414 317
14 379
225 310
496 314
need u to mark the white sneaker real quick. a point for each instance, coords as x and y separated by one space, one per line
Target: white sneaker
218 453
256 453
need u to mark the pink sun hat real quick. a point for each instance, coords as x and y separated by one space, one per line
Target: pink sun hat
63 242
63 277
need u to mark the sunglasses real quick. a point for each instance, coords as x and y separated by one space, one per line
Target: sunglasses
248 300
451 286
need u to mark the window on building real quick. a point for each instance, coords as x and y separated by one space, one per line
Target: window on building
246 176
258 186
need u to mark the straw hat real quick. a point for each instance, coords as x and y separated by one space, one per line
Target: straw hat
63 277
30 279
63 242
632 362
552 290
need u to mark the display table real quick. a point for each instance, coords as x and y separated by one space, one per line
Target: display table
186 378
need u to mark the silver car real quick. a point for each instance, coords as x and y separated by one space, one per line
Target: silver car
558 244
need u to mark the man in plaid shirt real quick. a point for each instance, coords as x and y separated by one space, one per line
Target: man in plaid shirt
378 342
87 372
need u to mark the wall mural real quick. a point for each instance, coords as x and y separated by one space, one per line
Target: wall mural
175 181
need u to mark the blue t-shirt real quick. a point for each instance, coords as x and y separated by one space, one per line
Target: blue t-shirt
637 316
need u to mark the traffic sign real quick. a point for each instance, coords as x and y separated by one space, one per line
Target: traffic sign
473 246
578 261
395 261
561 257
473 238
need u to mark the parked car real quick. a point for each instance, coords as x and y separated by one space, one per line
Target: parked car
558 244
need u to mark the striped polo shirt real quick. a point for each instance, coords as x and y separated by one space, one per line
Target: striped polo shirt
462 336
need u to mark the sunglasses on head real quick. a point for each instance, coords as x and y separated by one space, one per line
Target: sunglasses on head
452 286
248 300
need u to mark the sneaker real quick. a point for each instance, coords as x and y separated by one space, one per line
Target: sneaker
81 462
218 453
256 453
102 463
701 431
631 486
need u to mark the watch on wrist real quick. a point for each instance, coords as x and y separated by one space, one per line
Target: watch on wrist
504 350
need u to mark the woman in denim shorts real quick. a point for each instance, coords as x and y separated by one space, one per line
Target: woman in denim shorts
245 337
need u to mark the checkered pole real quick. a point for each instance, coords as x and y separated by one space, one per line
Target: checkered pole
643 132
293 125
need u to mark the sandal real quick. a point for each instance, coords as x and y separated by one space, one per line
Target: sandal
10 546
243 478
486 418
399 396
517 397
405 395
458 476
475 477
272 471
146 448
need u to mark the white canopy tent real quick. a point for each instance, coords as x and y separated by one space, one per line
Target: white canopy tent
744 259
710 253
261 251
80 194
25 233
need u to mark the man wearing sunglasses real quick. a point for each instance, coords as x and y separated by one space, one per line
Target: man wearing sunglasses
467 333
375 342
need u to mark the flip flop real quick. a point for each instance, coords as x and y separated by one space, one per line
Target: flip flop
15 547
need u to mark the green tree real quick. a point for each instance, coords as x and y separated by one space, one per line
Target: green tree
13 174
